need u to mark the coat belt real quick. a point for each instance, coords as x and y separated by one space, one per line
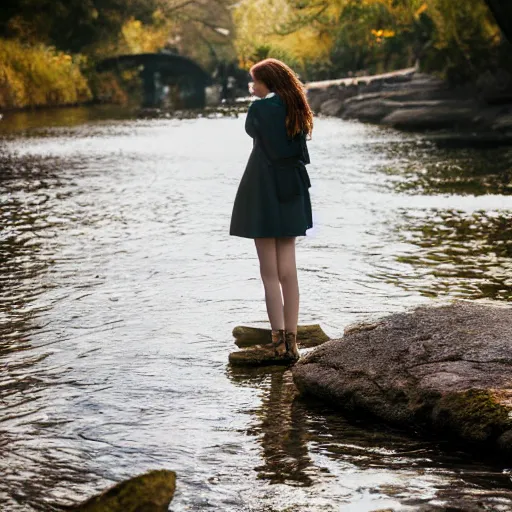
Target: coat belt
288 173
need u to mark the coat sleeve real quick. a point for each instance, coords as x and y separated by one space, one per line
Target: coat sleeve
304 149
251 122
261 124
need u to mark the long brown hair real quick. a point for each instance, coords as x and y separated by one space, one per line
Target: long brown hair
281 79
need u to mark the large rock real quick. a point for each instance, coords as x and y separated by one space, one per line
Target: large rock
447 114
320 93
318 96
503 123
150 492
406 94
410 100
379 108
371 110
446 369
332 107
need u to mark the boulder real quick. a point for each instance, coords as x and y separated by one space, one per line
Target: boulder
409 100
420 94
444 369
150 492
503 123
371 110
318 96
446 114
364 97
372 86
332 107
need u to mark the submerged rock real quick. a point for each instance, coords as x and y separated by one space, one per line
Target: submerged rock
446 369
150 492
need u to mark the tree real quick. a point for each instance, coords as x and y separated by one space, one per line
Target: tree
102 27
502 12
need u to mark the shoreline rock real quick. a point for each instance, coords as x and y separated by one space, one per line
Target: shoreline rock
444 369
410 100
149 492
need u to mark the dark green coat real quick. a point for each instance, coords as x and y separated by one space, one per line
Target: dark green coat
273 195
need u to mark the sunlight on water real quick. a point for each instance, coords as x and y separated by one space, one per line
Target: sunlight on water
120 286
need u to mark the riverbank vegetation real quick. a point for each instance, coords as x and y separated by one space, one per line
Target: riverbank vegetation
48 48
334 38
40 75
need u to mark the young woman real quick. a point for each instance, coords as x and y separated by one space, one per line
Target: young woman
272 204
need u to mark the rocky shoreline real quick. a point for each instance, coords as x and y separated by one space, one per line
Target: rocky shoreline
411 100
444 370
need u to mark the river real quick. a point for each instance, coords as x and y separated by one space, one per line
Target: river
120 286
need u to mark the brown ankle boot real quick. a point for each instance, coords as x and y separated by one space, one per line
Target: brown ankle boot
278 342
291 345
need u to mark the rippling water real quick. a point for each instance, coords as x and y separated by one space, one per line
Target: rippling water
119 288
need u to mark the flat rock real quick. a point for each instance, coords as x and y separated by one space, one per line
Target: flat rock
308 336
258 356
446 369
448 114
374 110
404 95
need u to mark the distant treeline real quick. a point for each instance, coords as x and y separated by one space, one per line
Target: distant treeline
48 48
332 38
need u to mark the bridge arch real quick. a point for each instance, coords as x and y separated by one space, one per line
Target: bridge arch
161 69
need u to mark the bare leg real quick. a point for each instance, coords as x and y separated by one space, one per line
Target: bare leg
267 255
287 270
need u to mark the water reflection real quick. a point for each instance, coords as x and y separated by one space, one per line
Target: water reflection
458 167
16 121
305 443
120 287
29 185
26 184
282 428
466 254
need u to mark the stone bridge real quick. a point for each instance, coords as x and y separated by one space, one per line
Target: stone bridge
164 74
